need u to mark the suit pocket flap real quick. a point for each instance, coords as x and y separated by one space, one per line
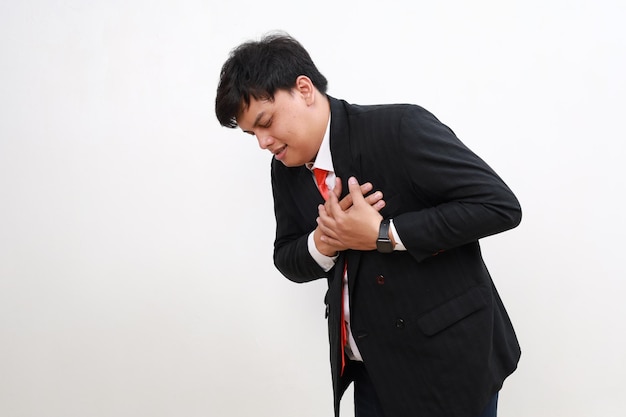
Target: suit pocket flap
452 311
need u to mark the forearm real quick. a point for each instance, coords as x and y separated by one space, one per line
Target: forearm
430 231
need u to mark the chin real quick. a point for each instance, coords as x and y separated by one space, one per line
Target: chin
291 163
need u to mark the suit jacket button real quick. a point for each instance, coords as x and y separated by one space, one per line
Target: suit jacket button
400 323
380 280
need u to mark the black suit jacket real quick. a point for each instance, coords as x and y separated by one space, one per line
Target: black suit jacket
431 328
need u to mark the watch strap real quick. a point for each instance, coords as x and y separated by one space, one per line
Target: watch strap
383 243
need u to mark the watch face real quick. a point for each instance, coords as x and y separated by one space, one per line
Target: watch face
384 246
383 243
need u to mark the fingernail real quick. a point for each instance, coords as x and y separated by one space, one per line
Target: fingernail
352 180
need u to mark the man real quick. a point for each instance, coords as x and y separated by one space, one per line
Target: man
414 318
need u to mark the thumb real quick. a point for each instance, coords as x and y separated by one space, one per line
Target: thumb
355 191
337 189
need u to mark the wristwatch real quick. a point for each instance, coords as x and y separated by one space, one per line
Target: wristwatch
383 243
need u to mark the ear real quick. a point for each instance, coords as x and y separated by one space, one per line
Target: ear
305 87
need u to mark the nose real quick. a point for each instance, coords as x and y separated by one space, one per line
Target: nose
265 140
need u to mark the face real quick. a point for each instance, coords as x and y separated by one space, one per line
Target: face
291 126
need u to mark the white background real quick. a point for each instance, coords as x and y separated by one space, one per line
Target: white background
136 233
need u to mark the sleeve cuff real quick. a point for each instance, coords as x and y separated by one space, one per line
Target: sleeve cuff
325 262
396 237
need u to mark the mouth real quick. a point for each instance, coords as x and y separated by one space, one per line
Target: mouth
280 152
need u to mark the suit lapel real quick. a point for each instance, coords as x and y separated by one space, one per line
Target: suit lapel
345 153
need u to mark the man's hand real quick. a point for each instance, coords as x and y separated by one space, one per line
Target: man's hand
331 247
353 222
375 199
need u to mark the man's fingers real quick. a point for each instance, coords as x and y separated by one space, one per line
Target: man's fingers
333 243
355 191
326 222
324 244
332 205
346 202
337 189
376 200
366 188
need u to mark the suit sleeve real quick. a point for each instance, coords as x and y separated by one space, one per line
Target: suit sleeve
465 200
291 253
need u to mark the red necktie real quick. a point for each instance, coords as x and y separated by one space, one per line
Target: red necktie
320 179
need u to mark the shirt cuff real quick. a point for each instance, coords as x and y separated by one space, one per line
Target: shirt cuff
396 237
326 262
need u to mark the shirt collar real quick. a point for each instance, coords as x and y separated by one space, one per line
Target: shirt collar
323 160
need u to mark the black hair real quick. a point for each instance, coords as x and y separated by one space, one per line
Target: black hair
258 69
